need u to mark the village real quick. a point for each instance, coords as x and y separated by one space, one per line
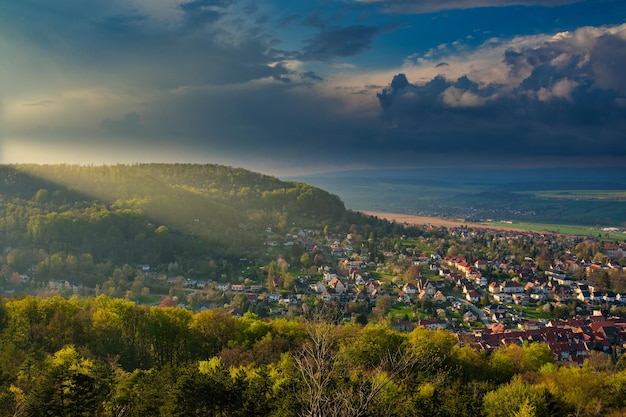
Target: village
573 304
471 285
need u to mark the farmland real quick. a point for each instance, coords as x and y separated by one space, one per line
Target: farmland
522 199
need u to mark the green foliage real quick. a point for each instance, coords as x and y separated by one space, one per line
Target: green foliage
513 359
514 398
69 385
82 220
370 346
211 331
102 357
139 393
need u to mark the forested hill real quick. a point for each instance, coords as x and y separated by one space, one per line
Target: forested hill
149 213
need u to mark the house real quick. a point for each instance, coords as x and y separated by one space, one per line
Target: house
614 251
409 289
472 297
464 267
511 287
609 297
498 317
606 330
358 280
374 296
238 287
584 296
469 317
480 280
293 300
595 297
63 285
497 308
362 296
439 297
318 287
328 276
403 297
338 285
468 287
561 297
371 286
520 299
424 284
272 298
494 288
432 324
538 296
503 298
423 295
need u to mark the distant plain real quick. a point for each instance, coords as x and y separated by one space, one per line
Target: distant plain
564 200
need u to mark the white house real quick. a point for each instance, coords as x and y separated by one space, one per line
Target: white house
511 287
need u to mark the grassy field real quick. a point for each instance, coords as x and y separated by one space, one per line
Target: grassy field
420 244
580 194
573 230
530 312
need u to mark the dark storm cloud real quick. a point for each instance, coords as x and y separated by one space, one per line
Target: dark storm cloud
608 60
199 13
129 125
316 19
312 76
568 103
282 122
284 21
208 77
588 56
339 42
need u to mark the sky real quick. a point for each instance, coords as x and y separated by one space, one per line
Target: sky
290 87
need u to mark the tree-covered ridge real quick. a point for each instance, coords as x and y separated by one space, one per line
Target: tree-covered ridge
110 357
235 187
148 213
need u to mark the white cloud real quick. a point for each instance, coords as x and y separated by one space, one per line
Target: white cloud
486 65
455 97
561 89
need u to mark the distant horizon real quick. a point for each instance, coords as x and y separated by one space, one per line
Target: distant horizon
291 174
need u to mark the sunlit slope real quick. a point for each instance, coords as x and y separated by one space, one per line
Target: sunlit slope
161 209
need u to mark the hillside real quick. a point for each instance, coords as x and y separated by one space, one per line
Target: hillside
84 220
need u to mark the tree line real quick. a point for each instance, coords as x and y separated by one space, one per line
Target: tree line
110 357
